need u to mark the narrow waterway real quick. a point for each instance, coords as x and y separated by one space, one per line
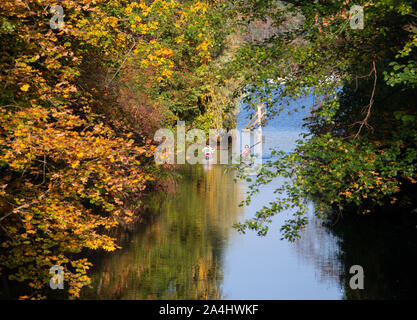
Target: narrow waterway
191 250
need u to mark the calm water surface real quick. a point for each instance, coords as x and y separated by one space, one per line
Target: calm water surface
192 251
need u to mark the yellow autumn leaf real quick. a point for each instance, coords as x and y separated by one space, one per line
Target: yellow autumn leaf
25 87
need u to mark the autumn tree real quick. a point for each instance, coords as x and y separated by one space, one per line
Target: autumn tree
75 156
360 155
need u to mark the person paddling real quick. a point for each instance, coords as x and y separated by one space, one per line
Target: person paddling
246 156
208 151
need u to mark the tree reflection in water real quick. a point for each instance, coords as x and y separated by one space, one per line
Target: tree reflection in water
179 256
319 247
384 244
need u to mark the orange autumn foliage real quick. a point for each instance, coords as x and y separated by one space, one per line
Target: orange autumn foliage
78 107
67 177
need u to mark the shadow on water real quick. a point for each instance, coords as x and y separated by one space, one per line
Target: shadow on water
385 245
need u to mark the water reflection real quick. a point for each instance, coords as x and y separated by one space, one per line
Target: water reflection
319 247
269 268
385 245
180 255
192 252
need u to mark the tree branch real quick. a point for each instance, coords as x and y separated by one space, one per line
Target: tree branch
364 122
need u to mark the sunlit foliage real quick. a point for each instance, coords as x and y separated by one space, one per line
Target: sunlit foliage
75 159
361 154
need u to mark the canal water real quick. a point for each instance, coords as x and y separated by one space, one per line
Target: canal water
191 251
